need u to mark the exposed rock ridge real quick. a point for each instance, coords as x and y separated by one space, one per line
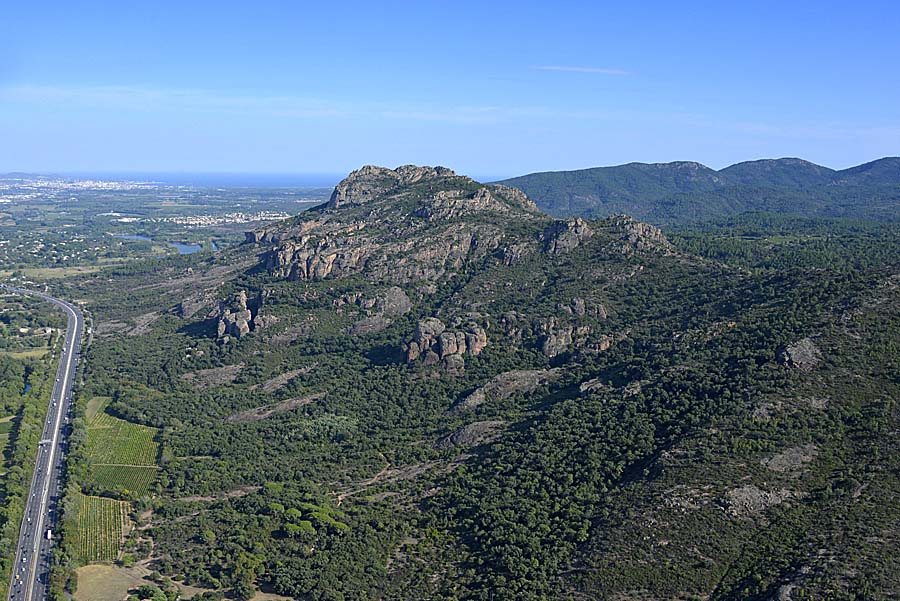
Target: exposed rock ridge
371 181
398 226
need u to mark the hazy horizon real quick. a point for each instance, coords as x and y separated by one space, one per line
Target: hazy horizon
317 180
482 88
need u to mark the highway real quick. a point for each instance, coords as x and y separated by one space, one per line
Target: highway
30 578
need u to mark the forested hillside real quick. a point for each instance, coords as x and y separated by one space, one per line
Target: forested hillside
685 192
427 389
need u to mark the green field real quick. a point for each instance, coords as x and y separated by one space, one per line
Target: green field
35 353
95 406
124 478
123 455
99 527
111 440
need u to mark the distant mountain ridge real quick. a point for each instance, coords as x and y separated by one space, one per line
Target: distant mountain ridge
684 191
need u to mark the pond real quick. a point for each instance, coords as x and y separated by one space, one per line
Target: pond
183 249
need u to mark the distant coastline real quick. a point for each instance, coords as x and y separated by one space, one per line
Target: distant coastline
225 180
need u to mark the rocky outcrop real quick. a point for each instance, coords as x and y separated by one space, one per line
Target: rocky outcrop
370 181
264 320
433 342
803 355
204 379
452 204
589 386
470 435
398 226
792 461
505 385
369 325
401 256
235 316
261 237
640 237
750 500
192 305
513 254
563 236
380 309
393 302
557 338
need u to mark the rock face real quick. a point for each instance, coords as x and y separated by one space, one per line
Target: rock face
369 325
505 385
370 181
399 225
261 237
433 342
592 385
470 435
803 355
638 236
235 316
192 305
558 337
392 302
563 236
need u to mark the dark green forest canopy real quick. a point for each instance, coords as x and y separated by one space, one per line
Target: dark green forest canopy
687 192
428 389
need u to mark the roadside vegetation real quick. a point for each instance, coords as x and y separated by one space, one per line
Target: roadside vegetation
26 378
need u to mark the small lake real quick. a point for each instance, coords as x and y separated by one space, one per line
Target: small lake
183 249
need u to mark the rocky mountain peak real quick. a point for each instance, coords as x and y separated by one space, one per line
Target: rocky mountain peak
399 225
370 181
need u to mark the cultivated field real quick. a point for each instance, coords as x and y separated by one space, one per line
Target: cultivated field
127 479
123 455
111 440
99 527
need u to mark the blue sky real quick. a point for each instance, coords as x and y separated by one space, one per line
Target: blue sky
487 88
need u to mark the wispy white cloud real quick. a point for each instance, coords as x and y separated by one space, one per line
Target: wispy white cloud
242 106
574 69
146 100
138 98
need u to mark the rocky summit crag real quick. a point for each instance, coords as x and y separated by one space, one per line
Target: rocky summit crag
424 228
405 225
